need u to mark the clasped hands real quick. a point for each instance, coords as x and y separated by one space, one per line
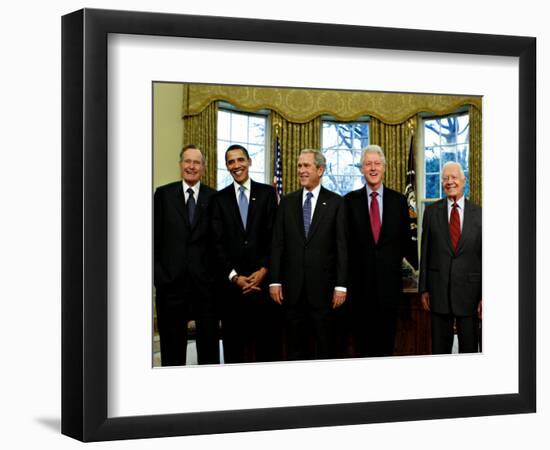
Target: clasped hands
252 282
276 293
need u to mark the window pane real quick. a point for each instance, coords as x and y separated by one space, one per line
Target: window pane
257 130
329 136
431 133
345 161
431 159
257 154
224 125
246 130
433 186
222 147
239 128
447 156
462 156
360 135
332 158
224 179
463 128
341 145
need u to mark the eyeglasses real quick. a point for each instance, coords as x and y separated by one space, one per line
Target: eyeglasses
450 178
376 164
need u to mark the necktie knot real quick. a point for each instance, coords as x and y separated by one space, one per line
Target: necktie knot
374 194
190 191
309 195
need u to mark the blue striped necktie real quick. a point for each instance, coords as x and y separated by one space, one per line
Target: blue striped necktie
243 205
307 213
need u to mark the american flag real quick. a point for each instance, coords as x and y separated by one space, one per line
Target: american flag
410 193
278 170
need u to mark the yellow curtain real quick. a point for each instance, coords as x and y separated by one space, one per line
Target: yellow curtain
475 159
394 140
201 129
303 105
293 138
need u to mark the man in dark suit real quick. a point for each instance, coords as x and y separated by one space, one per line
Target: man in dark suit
379 239
183 278
309 261
242 222
450 268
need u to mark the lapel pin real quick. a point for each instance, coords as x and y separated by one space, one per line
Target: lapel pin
253 199
324 204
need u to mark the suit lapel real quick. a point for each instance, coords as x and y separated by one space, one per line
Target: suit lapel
320 209
234 206
179 204
444 223
299 212
254 193
387 211
466 226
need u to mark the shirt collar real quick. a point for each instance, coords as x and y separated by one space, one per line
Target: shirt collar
380 190
246 184
195 188
459 202
315 191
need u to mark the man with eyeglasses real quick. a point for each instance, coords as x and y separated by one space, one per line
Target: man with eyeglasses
379 239
450 267
183 273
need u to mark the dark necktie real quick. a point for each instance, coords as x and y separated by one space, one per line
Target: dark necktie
243 205
454 226
375 216
191 205
307 213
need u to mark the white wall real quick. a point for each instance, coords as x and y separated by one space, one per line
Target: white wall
30 223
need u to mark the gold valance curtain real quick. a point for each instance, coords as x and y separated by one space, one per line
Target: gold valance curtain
394 140
303 105
296 119
201 129
293 138
475 160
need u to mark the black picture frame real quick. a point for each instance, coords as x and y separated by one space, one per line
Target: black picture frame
84 224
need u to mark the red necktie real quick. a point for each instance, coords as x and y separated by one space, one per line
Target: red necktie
375 217
454 226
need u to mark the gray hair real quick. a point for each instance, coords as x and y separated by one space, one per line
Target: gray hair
318 157
453 163
373 149
192 147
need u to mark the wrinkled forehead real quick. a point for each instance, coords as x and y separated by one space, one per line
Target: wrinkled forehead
193 154
306 158
451 171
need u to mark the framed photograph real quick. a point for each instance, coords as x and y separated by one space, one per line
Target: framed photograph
110 389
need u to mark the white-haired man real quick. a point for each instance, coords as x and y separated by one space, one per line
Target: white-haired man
450 268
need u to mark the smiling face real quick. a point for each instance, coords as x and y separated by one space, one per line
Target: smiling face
453 182
309 174
191 166
237 164
373 169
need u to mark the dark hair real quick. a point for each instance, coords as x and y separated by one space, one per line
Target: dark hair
237 147
195 147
